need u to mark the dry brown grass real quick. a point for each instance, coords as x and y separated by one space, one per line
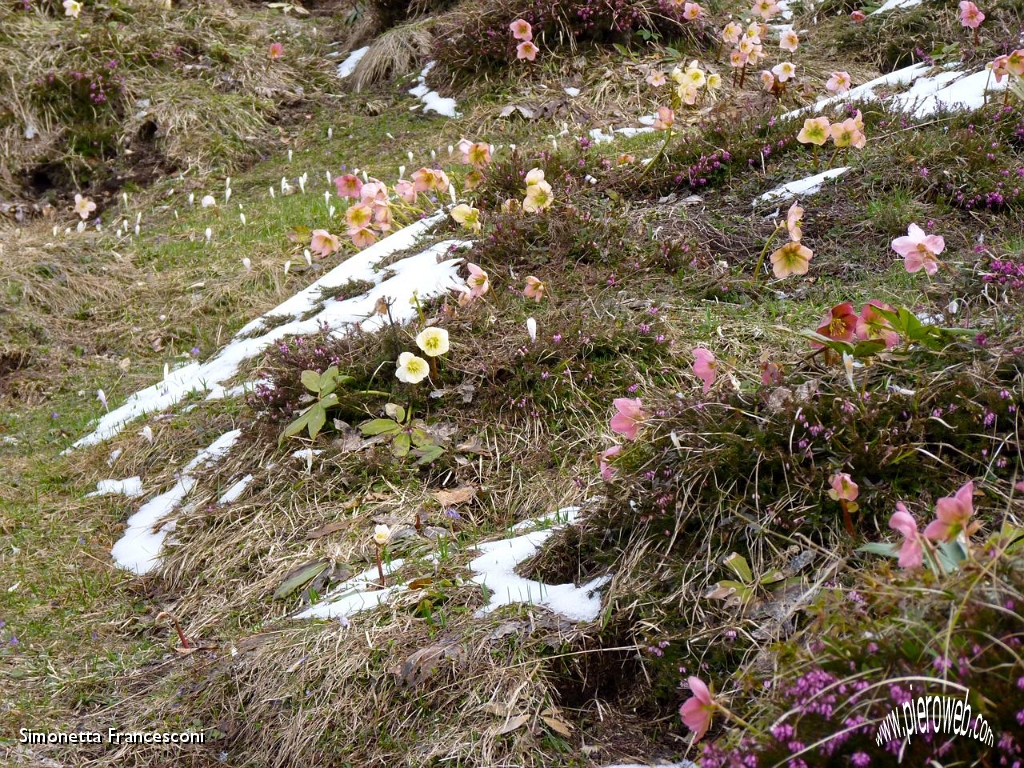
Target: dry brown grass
203 70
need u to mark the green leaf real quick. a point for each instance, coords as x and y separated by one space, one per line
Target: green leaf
429 454
834 344
868 348
317 419
379 427
299 577
738 564
329 381
395 411
421 439
771 577
881 548
951 553
401 444
311 381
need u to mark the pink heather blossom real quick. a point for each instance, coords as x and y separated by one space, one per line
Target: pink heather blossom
521 30
839 82
696 711
348 186
970 16
919 250
952 516
608 471
705 367
630 417
911 553
527 50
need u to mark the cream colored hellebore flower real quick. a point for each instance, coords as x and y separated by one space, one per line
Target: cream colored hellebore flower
433 341
381 535
411 369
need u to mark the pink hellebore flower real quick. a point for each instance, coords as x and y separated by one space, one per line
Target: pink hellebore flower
521 30
348 186
477 281
362 237
323 243
405 190
857 16
970 16
839 82
1000 67
604 458
696 711
664 118
815 131
534 288
527 50
911 553
872 325
705 367
276 50
768 80
839 323
629 418
794 222
1015 62
692 11
843 487
953 514
919 251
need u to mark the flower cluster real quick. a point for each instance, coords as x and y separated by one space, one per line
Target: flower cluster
848 133
412 369
691 83
522 31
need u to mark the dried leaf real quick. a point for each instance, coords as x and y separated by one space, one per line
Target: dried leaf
512 724
453 498
426 662
327 530
426 581
558 726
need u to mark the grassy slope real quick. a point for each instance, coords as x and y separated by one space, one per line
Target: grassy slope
85 637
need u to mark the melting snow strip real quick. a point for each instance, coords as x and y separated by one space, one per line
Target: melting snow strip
495 571
432 100
950 89
891 5
807 186
683 764
348 66
232 493
138 550
421 273
130 487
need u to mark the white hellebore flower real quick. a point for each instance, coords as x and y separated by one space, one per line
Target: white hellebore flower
381 534
72 8
411 369
433 341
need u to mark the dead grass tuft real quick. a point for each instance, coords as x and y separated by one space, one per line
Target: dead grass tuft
395 53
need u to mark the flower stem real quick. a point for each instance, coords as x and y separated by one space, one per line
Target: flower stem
764 252
380 566
847 520
657 157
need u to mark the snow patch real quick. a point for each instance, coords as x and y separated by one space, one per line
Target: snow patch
138 550
421 272
683 764
807 186
891 5
348 66
494 569
949 88
130 487
232 493
432 100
